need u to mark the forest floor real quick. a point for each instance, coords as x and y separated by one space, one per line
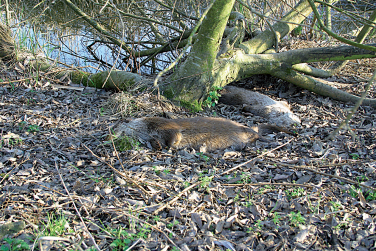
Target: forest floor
64 186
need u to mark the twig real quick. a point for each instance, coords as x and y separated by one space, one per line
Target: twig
248 161
78 212
354 109
134 244
325 166
276 36
330 175
47 188
334 176
271 184
98 27
173 9
16 80
119 173
273 19
176 197
51 238
70 123
8 173
116 152
8 16
332 34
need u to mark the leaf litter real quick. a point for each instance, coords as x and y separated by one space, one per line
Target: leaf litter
67 187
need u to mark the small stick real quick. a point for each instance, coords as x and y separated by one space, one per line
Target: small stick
6 175
329 175
78 213
116 152
335 176
269 183
176 197
248 161
119 173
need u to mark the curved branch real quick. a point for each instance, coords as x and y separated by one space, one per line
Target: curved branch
164 48
98 27
174 10
305 68
320 87
265 40
157 34
177 42
353 16
359 39
151 20
332 34
263 17
312 71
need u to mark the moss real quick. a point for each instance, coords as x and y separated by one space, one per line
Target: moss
168 93
193 107
79 77
125 143
125 86
118 80
94 81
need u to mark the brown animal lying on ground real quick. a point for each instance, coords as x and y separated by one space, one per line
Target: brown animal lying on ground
214 133
276 112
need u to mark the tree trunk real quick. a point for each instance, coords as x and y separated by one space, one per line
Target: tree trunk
202 71
197 69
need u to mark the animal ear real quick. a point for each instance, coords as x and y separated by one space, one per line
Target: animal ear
173 139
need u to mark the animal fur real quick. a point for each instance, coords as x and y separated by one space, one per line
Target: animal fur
277 112
214 133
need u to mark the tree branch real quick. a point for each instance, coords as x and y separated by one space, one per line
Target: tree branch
265 40
322 54
98 27
320 87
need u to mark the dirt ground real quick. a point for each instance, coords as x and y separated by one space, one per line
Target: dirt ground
65 187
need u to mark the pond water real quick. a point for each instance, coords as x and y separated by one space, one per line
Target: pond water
59 35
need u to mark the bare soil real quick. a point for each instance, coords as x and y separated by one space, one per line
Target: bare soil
293 193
